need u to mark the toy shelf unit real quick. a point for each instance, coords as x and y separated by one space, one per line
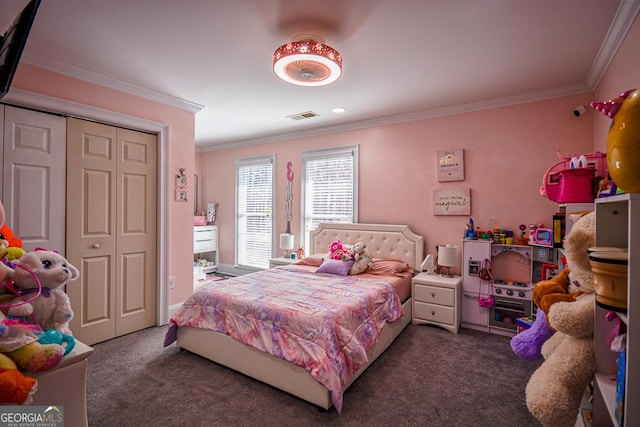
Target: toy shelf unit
546 262
510 288
572 212
205 250
547 257
617 385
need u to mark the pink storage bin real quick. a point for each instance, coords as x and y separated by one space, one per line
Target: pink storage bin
576 185
199 220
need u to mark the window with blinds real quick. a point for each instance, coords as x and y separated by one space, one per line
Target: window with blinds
254 211
329 187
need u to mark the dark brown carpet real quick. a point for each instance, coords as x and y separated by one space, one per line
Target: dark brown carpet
428 377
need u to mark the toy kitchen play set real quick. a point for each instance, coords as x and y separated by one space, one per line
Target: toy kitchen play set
497 285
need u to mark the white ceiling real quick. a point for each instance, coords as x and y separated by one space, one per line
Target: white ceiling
403 59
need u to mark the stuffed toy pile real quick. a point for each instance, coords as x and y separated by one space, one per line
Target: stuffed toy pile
555 390
24 345
356 253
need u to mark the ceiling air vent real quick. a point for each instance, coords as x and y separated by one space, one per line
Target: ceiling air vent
305 115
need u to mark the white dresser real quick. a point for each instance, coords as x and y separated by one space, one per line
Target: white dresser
436 301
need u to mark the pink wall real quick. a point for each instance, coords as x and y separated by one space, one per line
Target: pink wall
181 149
507 151
623 73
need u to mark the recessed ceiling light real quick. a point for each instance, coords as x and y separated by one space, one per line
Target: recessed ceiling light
338 110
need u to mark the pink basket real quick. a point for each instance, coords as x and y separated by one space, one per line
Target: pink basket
561 187
199 220
576 185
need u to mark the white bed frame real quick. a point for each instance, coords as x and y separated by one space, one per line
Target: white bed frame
383 241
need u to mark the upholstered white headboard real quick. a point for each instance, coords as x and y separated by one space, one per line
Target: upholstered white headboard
383 240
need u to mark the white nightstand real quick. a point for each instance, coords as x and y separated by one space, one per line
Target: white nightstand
436 301
275 262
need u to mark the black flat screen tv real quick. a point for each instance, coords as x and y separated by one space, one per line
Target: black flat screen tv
13 42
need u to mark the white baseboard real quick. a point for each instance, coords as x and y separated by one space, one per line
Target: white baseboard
173 309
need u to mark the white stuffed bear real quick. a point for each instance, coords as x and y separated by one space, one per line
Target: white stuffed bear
362 259
555 390
52 308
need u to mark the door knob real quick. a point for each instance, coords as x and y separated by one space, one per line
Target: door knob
96 245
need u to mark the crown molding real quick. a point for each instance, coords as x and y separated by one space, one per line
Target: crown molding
84 74
622 22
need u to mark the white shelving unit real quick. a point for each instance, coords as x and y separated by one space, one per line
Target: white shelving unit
617 225
205 246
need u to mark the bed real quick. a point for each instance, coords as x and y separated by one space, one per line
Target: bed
384 242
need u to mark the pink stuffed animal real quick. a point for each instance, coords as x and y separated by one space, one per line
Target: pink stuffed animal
337 251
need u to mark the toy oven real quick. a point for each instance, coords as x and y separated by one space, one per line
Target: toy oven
505 311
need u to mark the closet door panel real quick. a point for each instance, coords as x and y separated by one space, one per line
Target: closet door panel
33 177
91 228
137 242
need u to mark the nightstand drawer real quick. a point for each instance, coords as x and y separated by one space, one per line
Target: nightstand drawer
434 313
205 239
434 294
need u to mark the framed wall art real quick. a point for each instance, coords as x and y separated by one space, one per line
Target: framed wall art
452 201
181 186
451 165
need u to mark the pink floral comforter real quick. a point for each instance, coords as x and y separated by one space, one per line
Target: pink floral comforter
322 322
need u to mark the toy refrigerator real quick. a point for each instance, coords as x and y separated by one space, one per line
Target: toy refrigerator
473 253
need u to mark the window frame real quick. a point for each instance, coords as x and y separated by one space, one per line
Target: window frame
255 161
326 153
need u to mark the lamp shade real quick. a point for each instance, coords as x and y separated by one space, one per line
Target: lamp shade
286 241
307 63
448 255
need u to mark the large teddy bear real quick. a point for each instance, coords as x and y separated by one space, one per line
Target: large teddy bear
51 309
555 390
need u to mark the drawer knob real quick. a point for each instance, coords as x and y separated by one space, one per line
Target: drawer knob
433 312
96 245
433 294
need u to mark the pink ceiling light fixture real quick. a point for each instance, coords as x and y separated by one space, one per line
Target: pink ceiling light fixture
307 61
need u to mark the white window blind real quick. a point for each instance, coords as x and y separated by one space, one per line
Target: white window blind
329 187
254 211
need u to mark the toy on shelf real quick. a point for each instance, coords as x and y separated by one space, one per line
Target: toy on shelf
571 179
623 140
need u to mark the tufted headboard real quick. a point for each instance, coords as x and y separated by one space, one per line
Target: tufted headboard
383 240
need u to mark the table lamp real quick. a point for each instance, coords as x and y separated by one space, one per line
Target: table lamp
447 258
286 243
